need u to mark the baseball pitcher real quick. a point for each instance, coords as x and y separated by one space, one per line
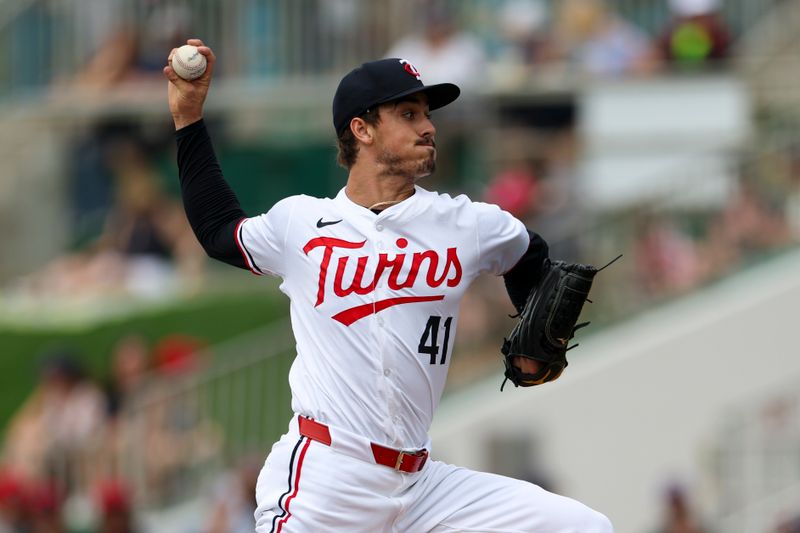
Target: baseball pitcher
375 276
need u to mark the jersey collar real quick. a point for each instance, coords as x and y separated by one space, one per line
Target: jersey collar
409 207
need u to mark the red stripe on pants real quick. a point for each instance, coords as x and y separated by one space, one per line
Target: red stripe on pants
296 487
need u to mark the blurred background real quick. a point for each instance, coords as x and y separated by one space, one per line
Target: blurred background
141 386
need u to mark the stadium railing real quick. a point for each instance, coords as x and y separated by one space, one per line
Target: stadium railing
175 439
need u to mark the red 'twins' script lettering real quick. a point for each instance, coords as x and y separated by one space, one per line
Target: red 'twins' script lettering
450 273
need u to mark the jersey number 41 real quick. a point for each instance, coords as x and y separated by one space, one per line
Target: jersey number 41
429 342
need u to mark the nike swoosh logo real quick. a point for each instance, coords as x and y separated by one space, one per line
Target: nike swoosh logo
321 224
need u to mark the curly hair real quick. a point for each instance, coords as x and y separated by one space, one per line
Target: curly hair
346 143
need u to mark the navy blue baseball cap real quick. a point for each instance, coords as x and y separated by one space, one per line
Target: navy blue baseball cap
378 82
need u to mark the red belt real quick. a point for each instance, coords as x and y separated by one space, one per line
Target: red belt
409 462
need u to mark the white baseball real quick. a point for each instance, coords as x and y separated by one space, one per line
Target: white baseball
188 63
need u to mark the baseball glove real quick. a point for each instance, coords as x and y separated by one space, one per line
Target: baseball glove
548 322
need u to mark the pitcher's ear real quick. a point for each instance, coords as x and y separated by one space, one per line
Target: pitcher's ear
362 131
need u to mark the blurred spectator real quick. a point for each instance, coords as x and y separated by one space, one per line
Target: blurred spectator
516 188
91 182
443 52
145 243
130 45
679 516
746 225
234 505
130 362
667 260
696 37
339 22
57 426
173 426
146 226
522 28
597 41
128 386
13 512
115 507
560 215
153 435
44 501
176 355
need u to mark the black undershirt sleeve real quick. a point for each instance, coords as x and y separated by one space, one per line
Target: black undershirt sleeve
526 273
211 205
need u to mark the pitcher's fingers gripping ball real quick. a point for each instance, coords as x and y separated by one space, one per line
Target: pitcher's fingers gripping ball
203 77
187 97
188 62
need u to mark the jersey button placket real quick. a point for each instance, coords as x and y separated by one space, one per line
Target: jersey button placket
380 322
380 335
380 248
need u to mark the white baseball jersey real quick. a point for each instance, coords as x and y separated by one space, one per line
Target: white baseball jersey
375 298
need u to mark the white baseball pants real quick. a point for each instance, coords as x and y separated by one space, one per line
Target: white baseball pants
310 487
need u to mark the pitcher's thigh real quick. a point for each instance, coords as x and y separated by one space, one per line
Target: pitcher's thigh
305 487
469 501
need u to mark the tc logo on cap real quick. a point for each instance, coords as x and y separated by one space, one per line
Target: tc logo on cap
411 69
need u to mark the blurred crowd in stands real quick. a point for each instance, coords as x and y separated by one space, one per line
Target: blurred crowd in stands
586 37
462 42
130 236
134 238
81 453
674 249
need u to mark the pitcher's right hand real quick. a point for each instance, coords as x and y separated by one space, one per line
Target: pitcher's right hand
186 98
